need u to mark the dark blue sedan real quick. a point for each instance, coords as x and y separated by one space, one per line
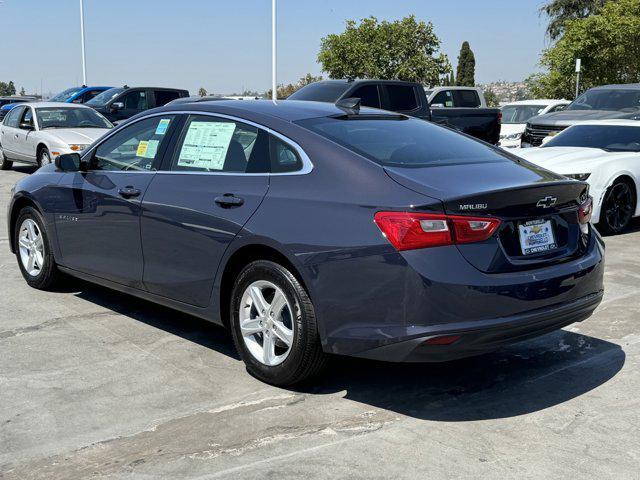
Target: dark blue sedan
311 229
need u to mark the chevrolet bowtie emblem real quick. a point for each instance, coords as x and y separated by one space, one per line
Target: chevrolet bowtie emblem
546 202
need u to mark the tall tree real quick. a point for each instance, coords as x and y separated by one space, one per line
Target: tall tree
491 98
202 92
561 11
404 49
608 44
465 75
22 91
452 78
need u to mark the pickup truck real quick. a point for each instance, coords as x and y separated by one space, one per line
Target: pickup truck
408 98
599 103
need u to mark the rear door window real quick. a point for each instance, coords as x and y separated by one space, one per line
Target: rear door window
400 98
466 98
165 96
214 144
136 100
368 95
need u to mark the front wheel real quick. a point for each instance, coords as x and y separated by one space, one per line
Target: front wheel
618 207
33 250
274 326
44 157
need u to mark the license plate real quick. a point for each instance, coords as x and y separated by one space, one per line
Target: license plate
536 236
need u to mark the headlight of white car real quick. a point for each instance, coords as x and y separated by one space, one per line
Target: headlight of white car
578 176
78 147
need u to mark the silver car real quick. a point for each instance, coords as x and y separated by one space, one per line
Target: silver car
38 132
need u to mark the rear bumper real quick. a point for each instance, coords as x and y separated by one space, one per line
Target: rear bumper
487 335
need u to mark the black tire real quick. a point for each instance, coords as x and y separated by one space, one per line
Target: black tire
305 358
44 157
49 276
5 164
618 208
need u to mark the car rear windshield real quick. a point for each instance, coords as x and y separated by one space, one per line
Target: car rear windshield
612 138
520 113
607 99
320 92
65 95
51 117
104 97
403 142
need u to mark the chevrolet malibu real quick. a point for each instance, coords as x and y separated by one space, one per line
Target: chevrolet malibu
311 229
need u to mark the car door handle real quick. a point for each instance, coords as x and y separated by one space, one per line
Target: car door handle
129 192
229 200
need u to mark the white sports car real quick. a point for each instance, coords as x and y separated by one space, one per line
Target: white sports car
605 154
39 132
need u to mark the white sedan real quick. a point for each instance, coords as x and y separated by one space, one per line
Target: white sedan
516 114
605 154
38 132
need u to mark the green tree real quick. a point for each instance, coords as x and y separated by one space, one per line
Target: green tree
452 79
491 98
561 11
608 44
22 91
465 75
202 92
404 49
285 90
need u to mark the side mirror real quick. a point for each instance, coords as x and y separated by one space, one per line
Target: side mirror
115 106
26 126
559 108
70 162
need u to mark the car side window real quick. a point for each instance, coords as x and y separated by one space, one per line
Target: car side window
135 147
13 117
135 100
165 96
284 157
215 144
466 98
401 98
443 98
368 95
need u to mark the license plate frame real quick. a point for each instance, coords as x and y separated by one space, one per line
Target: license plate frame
536 236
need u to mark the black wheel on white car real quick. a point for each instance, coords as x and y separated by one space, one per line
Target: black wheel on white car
5 164
618 207
33 250
44 157
273 325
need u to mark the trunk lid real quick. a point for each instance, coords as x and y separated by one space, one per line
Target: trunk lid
518 194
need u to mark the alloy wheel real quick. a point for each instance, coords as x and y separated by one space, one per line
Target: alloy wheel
618 206
266 322
31 246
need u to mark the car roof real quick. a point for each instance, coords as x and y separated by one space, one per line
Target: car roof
54 104
290 110
619 86
542 101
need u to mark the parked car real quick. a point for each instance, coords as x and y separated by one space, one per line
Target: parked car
195 99
310 229
600 103
604 153
120 103
7 103
78 94
407 98
38 132
515 116
456 97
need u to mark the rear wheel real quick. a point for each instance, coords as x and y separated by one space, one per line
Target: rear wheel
5 164
273 325
33 250
618 207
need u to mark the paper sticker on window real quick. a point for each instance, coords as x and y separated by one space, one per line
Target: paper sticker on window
161 129
206 145
152 149
142 148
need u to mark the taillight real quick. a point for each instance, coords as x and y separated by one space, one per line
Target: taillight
408 231
500 116
585 211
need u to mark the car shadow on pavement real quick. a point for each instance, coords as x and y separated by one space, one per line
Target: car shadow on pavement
518 379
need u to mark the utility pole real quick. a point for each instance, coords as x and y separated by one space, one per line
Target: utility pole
274 85
578 66
84 58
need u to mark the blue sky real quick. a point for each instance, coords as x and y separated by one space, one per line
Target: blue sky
225 45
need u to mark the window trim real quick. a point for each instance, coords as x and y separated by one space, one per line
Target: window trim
386 100
307 165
